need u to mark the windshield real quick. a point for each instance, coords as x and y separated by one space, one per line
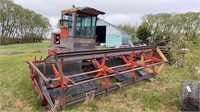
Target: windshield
85 25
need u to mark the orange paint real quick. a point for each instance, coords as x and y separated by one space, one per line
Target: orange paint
64 32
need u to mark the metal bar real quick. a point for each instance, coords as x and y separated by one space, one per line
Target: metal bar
119 66
84 73
88 54
73 54
104 51
63 90
59 69
38 71
76 75
98 78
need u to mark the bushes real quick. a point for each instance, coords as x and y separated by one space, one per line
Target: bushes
7 40
182 51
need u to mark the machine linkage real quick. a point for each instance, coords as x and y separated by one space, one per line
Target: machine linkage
131 61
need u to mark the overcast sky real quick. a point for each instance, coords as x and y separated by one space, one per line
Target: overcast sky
117 11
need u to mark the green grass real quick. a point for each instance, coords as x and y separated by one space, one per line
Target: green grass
17 92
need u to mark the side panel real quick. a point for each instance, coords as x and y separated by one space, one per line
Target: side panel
113 36
125 39
113 40
67 42
81 43
78 43
55 39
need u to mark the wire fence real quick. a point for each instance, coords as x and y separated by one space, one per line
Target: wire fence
190 95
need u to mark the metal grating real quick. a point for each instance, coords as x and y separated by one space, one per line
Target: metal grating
115 62
76 90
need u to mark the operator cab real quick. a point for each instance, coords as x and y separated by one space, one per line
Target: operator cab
78 27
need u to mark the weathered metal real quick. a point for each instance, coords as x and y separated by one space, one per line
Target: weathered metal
71 85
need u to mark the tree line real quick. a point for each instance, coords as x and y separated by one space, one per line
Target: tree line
20 25
162 28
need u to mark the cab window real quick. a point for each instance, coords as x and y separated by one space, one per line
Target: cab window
68 21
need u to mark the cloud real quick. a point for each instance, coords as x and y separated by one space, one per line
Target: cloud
117 12
51 8
122 18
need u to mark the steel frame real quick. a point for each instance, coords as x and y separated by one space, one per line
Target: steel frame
102 71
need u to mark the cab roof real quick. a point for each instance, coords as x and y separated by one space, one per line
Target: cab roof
87 10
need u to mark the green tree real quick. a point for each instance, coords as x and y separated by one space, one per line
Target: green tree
17 23
176 30
143 34
164 25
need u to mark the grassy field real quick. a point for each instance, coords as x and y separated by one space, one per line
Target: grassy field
18 94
